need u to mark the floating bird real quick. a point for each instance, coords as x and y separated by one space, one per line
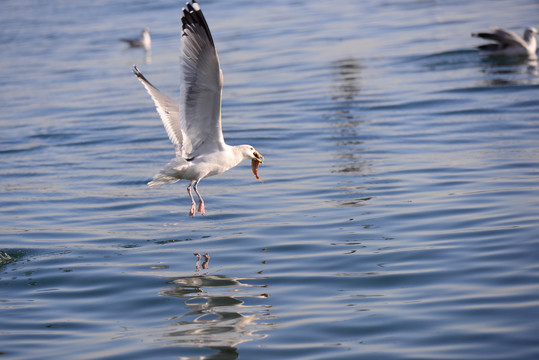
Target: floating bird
5 258
510 44
145 41
194 125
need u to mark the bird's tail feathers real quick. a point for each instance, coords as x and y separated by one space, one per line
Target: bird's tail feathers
170 173
162 179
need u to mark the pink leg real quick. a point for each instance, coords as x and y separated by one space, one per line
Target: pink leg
206 261
201 208
193 204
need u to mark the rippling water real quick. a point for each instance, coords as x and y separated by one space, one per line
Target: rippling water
398 217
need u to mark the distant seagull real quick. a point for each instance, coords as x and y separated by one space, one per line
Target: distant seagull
509 43
145 41
194 126
5 258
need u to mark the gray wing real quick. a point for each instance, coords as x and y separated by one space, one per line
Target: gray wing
167 108
132 42
510 38
504 37
201 83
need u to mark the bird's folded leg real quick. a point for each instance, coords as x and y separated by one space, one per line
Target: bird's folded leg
193 204
201 208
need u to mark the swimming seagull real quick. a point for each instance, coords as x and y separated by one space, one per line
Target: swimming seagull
145 41
194 126
509 43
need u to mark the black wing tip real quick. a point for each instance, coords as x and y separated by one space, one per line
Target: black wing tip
483 35
192 15
136 71
139 75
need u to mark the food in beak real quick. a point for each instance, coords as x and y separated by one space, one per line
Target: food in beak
259 157
254 167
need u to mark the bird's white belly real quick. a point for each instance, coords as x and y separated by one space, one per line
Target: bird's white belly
204 166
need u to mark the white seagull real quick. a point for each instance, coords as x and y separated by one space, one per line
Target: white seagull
510 44
194 126
145 41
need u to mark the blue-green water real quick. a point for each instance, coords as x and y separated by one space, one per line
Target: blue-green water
398 217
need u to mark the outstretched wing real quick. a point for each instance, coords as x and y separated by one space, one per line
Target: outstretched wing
201 82
167 108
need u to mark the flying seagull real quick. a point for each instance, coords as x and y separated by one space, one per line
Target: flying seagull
145 41
509 43
194 125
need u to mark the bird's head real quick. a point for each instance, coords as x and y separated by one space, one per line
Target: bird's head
250 152
529 35
529 32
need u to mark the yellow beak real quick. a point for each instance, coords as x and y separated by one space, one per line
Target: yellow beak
259 157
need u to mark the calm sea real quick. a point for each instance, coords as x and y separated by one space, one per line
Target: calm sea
398 217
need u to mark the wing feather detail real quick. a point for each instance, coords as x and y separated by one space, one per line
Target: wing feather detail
200 85
167 109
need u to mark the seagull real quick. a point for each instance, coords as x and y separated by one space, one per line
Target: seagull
194 125
509 43
145 41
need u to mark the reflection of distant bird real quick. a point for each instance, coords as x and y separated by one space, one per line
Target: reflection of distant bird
144 41
509 43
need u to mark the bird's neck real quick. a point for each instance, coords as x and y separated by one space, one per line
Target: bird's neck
532 43
238 156
146 40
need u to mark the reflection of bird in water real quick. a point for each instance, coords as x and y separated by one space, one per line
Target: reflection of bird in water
347 119
205 264
508 43
347 78
220 312
145 41
194 126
